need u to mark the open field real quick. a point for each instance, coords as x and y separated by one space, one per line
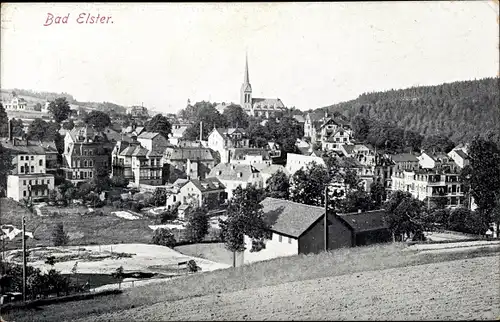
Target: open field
454 290
105 259
212 251
270 273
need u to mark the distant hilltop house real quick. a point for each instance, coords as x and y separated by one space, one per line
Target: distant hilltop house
138 111
15 104
259 107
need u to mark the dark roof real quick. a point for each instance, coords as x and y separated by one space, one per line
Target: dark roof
403 157
228 171
365 221
462 154
20 147
288 217
208 184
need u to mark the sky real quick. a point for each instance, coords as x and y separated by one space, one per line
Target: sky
309 55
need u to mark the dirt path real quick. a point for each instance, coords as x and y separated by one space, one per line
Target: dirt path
456 290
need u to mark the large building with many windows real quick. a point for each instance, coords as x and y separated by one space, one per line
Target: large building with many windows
84 153
29 178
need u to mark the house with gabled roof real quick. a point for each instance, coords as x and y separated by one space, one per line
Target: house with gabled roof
209 191
223 139
460 157
299 229
234 175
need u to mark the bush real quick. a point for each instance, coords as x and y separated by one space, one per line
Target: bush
466 221
59 236
119 182
163 237
192 266
197 226
117 204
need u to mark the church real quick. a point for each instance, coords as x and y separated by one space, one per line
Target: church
257 107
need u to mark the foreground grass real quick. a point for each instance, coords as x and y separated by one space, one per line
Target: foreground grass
267 273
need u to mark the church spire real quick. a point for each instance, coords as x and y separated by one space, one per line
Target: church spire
247 78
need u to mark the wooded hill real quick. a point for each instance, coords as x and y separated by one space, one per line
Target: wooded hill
459 110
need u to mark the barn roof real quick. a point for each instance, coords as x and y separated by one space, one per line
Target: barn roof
366 221
288 217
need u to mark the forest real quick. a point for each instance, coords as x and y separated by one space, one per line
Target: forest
459 110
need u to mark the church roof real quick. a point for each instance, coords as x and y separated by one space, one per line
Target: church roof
267 103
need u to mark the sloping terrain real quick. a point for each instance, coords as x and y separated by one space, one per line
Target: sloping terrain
455 290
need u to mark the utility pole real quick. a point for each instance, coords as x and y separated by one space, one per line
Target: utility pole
24 257
326 218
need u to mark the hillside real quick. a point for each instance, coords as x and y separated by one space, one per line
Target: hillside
362 270
459 110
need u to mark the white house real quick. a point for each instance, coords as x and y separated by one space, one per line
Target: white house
267 171
294 161
223 139
198 192
460 157
234 175
428 160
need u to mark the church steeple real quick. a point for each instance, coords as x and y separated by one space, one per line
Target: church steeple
246 89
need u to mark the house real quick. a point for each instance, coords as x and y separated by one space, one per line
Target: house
460 157
84 152
294 161
194 162
29 178
404 162
138 112
431 185
223 139
16 103
312 124
431 160
249 156
273 149
299 229
234 175
153 141
267 171
258 107
209 191
178 130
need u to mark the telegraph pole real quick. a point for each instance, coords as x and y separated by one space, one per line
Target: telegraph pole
326 218
24 258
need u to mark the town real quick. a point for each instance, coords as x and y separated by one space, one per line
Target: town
110 211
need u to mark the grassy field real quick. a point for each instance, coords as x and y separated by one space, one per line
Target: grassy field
212 251
253 276
82 229
454 290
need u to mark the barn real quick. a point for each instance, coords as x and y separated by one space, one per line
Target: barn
296 228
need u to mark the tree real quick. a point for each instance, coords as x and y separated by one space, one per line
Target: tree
204 112
361 127
235 116
163 237
378 194
159 124
4 122
98 120
38 129
159 197
59 236
59 109
192 266
50 260
482 177
278 185
68 125
405 214
438 143
244 217
119 181
356 200
38 107
197 225
307 186
351 179
5 167
17 128
118 274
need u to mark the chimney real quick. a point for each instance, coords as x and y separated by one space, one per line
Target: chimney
10 130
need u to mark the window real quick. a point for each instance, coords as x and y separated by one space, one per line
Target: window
24 182
91 163
22 169
36 181
289 240
32 169
32 158
36 192
22 158
85 164
90 174
280 238
40 162
42 181
24 193
29 182
48 181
